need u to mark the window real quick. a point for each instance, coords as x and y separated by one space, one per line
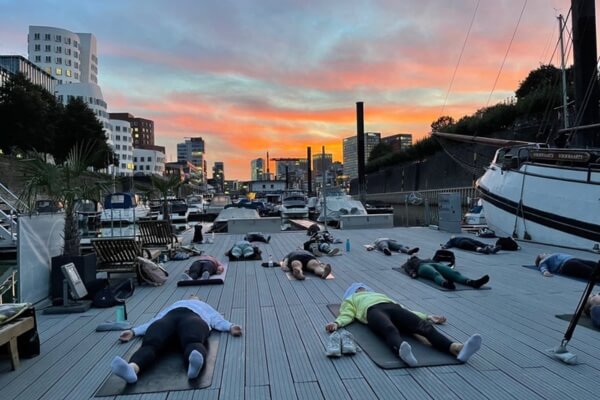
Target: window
68 62
58 71
149 159
38 58
123 165
118 147
147 168
76 65
75 44
142 159
49 60
76 75
48 48
36 36
68 40
47 36
57 38
37 47
68 52
134 159
68 73
58 49
59 60
118 129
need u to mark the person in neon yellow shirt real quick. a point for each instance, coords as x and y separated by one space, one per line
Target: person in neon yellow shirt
391 320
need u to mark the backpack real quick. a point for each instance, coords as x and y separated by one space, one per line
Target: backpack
507 243
105 298
443 255
151 272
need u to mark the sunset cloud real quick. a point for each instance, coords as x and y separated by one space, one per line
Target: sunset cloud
281 75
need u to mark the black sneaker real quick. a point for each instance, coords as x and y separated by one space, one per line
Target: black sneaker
477 283
496 249
448 285
413 251
387 252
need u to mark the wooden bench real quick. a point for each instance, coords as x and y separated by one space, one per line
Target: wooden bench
9 333
119 255
158 234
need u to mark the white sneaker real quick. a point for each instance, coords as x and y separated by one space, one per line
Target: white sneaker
348 345
333 347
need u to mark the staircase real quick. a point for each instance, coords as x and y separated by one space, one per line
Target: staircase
10 208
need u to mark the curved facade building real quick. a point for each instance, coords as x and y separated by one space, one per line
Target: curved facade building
67 56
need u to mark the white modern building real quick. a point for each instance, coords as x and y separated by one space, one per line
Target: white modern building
148 162
71 58
122 146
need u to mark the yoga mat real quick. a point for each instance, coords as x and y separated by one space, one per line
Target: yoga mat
308 275
536 269
234 259
384 357
217 279
167 374
583 321
443 289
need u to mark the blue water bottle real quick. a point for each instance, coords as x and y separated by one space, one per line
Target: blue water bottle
347 245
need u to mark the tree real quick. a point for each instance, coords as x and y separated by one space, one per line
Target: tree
65 183
28 114
165 187
442 124
78 123
543 78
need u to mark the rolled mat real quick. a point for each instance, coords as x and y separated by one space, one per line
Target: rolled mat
168 373
438 287
217 279
583 321
384 357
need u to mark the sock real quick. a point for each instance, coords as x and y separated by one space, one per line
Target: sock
477 283
471 346
406 354
122 369
196 363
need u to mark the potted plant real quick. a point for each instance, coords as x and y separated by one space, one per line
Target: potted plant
66 183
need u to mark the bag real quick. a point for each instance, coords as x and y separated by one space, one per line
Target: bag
105 298
151 272
443 255
486 233
507 243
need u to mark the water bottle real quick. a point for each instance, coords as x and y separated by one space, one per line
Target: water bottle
270 261
120 313
347 245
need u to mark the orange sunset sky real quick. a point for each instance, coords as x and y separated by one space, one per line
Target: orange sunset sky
280 75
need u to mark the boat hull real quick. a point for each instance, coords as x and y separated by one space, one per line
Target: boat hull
543 203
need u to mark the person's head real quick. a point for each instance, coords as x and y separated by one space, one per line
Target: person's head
356 287
220 269
592 301
539 258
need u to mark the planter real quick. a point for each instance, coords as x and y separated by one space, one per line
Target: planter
86 267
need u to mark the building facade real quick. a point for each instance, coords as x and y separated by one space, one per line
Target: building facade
257 169
122 146
350 150
322 161
12 65
148 162
219 176
142 129
398 142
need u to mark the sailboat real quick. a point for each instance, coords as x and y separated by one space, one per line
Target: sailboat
552 195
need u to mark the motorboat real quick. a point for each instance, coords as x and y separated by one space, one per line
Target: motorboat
221 221
178 211
294 204
334 203
217 204
88 212
196 205
123 207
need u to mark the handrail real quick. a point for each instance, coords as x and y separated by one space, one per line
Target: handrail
9 284
15 199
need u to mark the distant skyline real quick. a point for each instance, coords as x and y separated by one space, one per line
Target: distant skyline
280 75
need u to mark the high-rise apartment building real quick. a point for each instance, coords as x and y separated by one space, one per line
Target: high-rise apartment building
257 169
350 150
192 150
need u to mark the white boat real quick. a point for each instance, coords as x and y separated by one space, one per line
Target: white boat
545 195
217 204
196 205
336 204
123 207
178 211
221 221
294 204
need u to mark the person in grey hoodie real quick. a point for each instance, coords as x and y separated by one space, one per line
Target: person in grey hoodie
188 321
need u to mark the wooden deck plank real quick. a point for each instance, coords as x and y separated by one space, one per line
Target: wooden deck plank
308 391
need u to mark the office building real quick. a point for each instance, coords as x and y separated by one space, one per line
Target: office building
257 169
398 142
350 149
219 176
321 161
12 65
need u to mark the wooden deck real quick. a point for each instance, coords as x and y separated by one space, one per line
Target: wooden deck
281 355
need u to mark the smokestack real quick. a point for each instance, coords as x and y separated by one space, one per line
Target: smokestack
309 171
585 66
360 150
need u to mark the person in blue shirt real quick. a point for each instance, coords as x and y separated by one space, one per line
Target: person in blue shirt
564 264
187 321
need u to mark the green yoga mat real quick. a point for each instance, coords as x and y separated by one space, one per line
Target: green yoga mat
583 321
384 357
167 374
438 287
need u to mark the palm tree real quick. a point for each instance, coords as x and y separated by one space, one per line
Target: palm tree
65 183
165 187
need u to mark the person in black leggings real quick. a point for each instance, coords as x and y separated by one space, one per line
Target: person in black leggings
301 260
467 243
187 321
391 321
564 264
204 267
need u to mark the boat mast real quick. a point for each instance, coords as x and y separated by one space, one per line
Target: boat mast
561 24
